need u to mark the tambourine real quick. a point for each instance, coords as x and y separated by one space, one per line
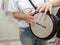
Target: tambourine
44 26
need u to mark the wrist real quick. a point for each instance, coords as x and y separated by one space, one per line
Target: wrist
51 3
54 4
24 16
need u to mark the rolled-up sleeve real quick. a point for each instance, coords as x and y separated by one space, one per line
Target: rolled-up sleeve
12 6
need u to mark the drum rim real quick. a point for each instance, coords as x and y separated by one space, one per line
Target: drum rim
53 31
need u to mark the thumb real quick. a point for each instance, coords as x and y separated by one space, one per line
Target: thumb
30 12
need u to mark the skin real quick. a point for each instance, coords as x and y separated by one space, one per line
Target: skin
21 16
45 6
48 6
28 16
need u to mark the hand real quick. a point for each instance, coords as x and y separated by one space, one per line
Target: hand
28 17
45 7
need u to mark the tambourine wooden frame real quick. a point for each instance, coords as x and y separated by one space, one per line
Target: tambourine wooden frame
55 27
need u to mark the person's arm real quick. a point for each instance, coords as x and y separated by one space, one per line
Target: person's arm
48 6
20 16
55 3
13 8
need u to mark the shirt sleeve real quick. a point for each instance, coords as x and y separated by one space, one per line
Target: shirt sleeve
12 6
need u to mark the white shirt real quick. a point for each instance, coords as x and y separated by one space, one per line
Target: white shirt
22 6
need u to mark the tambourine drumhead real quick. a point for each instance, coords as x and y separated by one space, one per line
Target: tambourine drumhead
42 26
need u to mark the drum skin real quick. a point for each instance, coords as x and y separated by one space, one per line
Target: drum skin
54 21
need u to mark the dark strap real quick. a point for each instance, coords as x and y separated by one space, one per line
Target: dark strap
32 4
35 7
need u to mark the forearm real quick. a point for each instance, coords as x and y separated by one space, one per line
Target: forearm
55 3
21 16
18 16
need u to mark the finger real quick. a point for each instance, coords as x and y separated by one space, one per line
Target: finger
42 9
39 7
50 9
31 17
46 9
30 21
30 12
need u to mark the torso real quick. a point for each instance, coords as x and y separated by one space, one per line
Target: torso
24 6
